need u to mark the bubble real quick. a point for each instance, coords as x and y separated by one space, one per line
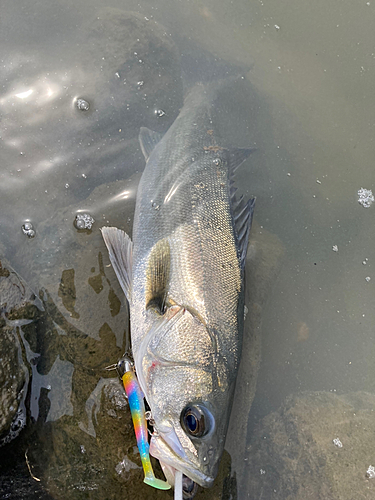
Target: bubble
28 230
82 104
337 442
365 197
66 186
370 473
83 221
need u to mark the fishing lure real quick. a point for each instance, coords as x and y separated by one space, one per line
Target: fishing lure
137 409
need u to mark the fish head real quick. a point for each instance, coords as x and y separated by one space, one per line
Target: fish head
188 387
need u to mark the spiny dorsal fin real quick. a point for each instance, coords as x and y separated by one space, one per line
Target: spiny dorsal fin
157 275
236 156
120 249
148 140
242 211
242 217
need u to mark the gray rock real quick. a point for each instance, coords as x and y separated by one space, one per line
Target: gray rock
317 446
18 306
12 383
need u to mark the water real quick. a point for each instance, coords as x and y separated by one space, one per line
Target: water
74 91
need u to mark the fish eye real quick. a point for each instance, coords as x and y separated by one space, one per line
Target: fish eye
196 420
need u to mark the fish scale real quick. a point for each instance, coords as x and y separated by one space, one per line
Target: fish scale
201 217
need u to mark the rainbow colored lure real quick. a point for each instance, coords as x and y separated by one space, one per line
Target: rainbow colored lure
137 409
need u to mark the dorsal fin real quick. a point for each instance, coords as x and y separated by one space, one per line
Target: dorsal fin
242 211
242 217
120 249
148 140
157 275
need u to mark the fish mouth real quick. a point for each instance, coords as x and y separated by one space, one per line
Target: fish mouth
171 462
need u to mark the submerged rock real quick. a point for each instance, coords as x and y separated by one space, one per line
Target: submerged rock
295 452
12 385
18 306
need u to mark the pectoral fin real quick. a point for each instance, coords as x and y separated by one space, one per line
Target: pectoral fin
148 140
157 275
120 249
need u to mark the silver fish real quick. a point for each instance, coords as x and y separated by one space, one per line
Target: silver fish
183 277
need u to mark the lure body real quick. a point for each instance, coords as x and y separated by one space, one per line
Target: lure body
137 409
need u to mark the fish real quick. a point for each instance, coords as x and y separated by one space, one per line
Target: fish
183 276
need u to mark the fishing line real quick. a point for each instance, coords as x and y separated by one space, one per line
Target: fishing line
178 485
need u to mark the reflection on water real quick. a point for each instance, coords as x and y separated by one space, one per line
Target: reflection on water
77 84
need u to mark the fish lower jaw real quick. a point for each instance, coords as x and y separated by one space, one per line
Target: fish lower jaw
170 463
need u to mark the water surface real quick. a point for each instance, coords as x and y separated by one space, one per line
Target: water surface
306 103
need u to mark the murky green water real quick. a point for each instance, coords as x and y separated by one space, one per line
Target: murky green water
307 104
